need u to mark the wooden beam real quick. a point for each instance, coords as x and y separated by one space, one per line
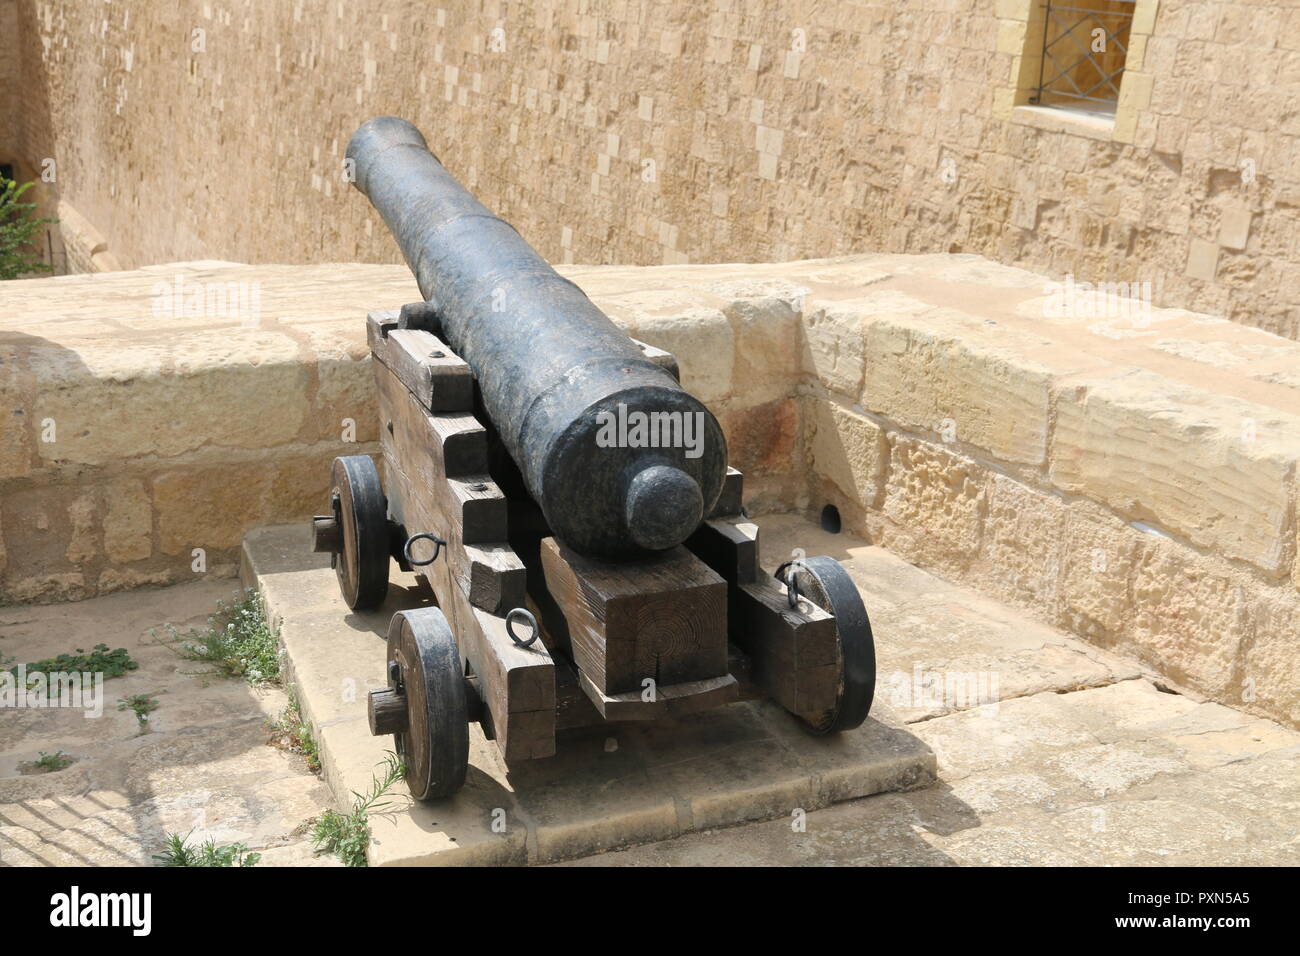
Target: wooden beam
731 498
439 379
436 454
793 653
661 617
729 547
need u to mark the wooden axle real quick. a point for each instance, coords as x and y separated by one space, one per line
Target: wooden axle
386 708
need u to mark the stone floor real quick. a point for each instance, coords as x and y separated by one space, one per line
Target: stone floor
205 766
1078 758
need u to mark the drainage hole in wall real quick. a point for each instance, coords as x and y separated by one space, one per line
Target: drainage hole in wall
831 519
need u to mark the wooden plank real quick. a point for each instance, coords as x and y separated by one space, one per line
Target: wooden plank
476 584
573 708
671 700
468 511
731 498
515 684
439 379
729 547
661 617
793 653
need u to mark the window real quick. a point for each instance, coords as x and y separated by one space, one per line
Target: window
1084 47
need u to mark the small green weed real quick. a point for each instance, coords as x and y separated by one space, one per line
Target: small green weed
48 763
142 705
347 835
178 852
293 734
238 642
99 660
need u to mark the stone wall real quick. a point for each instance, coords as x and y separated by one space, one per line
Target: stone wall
665 131
149 418
1129 474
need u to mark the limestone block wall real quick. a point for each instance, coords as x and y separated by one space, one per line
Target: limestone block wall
149 418
669 131
1128 473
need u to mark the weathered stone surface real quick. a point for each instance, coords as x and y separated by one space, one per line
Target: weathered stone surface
848 448
128 521
1215 470
703 342
834 346
182 396
1024 542
763 439
767 345
203 769
936 501
606 786
939 372
1189 618
203 508
1121 774
1096 571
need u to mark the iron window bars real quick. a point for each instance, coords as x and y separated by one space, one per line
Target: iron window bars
1062 21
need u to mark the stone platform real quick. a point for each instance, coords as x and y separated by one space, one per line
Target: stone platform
607 787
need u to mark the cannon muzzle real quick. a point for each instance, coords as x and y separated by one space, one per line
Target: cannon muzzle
618 455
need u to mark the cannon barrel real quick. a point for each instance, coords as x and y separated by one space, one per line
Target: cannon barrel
618 455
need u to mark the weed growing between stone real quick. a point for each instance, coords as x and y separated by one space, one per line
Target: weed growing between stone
292 734
48 763
99 660
238 642
178 852
142 705
347 835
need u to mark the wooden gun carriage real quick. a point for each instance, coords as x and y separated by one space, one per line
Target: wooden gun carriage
531 635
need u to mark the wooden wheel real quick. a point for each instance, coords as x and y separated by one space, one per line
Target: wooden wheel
824 581
361 546
425 707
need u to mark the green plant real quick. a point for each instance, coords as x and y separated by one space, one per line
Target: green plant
99 659
178 852
238 642
293 734
18 231
347 835
142 705
50 763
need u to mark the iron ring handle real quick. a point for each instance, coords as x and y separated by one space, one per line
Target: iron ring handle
438 544
526 615
791 582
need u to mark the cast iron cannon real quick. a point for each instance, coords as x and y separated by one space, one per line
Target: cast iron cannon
579 577
552 368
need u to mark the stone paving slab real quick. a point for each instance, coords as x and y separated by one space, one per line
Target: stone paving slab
204 768
936 640
1116 775
607 786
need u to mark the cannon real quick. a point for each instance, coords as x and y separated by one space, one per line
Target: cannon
582 570
551 367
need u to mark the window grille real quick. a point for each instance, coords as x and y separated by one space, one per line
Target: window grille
1085 43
